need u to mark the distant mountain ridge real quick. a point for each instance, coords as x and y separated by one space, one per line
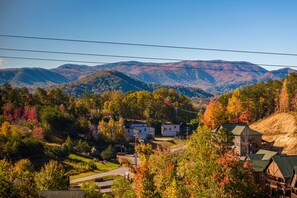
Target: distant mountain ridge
213 76
108 80
31 77
216 76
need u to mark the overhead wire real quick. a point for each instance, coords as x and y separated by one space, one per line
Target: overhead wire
123 56
149 45
148 64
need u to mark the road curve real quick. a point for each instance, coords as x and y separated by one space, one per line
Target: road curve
119 171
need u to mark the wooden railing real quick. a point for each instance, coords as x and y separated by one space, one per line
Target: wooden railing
278 185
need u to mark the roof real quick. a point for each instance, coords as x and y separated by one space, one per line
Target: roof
285 163
267 155
259 165
239 129
256 156
170 124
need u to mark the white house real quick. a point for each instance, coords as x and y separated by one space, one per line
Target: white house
170 129
141 129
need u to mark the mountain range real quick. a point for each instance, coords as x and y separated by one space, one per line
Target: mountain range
108 80
212 76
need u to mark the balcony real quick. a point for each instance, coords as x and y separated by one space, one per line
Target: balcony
278 185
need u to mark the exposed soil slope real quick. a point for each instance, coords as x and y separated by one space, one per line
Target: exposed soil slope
281 129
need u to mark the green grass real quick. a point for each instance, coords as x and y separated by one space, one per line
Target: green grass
78 165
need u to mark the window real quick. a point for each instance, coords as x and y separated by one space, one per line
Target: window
144 129
175 127
169 129
165 128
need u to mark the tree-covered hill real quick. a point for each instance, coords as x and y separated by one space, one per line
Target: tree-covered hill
108 80
31 77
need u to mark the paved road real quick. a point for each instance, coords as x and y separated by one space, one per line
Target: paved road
119 171
104 184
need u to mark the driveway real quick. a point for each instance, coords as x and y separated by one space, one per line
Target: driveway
119 171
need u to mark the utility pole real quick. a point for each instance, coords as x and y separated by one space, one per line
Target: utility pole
135 137
176 114
187 132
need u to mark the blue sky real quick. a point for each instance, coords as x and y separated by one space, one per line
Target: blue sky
266 25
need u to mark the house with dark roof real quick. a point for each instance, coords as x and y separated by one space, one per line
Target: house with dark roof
260 161
246 140
280 174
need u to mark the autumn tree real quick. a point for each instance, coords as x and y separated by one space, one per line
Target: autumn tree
52 177
144 151
234 105
24 179
144 182
234 179
17 180
112 131
214 114
284 99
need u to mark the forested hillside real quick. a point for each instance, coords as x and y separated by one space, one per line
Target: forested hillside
254 102
31 77
108 80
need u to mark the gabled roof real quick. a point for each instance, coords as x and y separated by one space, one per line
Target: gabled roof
267 154
259 165
239 129
256 156
285 163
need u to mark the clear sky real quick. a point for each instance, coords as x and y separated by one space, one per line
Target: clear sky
266 25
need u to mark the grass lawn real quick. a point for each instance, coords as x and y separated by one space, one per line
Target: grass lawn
78 162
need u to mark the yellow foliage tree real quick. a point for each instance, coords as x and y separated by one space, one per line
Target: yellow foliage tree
234 105
284 98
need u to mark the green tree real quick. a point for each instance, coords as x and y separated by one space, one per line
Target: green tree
122 188
52 177
68 144
199 163
82 146
92 190
109 153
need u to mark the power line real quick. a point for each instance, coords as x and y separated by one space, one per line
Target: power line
127 63
125 56
90 54
150 45
47 59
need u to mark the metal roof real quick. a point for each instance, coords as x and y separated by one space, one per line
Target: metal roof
239 129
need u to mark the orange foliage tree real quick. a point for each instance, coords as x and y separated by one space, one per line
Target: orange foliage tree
214 114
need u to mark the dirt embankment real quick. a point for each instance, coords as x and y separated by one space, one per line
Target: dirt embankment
281 129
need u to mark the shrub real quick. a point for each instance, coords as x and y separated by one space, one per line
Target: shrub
109 153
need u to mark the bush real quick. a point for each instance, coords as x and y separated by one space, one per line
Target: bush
82 146
109 153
